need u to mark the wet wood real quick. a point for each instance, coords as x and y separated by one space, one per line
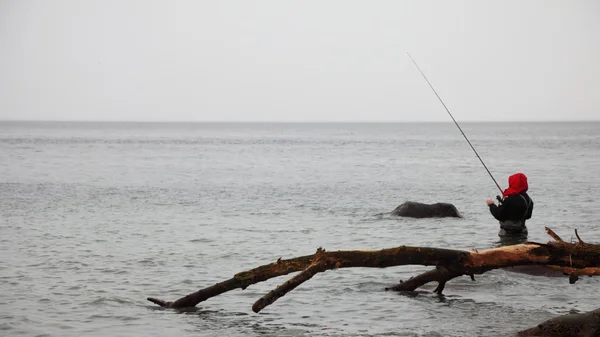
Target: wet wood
403 255
575 259
280 291
441 275
553 235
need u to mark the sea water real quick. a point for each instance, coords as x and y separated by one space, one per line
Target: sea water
95 217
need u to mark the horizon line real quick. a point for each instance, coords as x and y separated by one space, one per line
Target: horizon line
289 122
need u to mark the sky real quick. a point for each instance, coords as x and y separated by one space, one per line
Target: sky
299 61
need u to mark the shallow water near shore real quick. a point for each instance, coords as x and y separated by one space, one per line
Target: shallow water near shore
95 217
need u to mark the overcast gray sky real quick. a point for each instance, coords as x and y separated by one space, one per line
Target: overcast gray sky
299 60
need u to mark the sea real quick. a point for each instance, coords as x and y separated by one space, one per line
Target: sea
96 217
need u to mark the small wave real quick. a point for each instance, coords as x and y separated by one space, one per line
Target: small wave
381 216
202 240
188 281
113 271
108 300
114 317
372 286
273 213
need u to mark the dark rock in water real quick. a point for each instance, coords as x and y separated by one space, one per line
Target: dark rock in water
572 325
419 210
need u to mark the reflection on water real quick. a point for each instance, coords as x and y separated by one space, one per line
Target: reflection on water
508 240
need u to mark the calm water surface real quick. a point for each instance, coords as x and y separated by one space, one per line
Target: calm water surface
96 217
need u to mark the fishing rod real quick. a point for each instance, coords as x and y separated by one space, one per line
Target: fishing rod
461 131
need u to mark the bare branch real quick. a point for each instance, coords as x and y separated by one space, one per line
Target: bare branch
578 238
572 259
291 284
553 235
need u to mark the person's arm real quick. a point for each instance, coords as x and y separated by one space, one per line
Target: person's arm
500 211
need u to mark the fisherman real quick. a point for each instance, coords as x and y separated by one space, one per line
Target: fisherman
515 207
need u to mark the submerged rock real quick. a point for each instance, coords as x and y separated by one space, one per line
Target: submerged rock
571 325
420 210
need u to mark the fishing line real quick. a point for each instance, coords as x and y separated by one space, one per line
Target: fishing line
461 131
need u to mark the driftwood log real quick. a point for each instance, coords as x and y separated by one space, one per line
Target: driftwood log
574 259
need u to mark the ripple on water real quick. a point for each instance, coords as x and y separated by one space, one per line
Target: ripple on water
113 317
108 301
201 240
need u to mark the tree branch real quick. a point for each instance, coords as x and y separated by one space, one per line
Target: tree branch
451 263
291 284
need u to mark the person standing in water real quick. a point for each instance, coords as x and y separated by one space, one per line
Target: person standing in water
515 208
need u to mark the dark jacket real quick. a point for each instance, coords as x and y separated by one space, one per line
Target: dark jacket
515 208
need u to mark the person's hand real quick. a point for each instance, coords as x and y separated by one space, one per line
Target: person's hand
489 202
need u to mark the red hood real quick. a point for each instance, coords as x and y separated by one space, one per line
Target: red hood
517 183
